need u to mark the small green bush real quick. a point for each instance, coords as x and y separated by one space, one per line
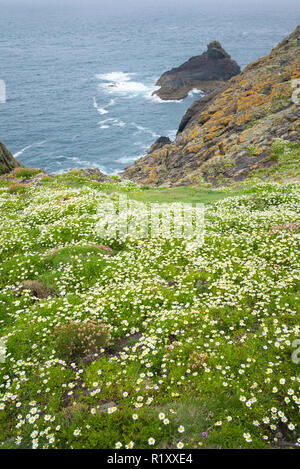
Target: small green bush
17 189
77 340
27 172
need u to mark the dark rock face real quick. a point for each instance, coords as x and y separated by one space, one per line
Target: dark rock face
204 72
7 161
216 51
194 110
160 142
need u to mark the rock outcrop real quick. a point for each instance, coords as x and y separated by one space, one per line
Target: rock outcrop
228 134
204 72
159 143
7 161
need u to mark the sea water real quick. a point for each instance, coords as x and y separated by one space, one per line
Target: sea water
80 76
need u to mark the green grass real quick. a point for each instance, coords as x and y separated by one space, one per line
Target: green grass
25 173
201 339
285 157
188 194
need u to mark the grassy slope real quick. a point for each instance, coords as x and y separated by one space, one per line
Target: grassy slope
189 194
285 159
209 332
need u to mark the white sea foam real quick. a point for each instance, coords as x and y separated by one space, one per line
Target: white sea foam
116 122
128 159
145 130
172 134
115 76
36 144
153 97
156 99
122 84
71 162
19 153
86 163
106 120
119 123
101 110
195 91
132 88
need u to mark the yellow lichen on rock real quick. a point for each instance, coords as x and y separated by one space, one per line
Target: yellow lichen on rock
239 122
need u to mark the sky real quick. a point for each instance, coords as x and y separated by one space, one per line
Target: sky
112 7
151 3
136 7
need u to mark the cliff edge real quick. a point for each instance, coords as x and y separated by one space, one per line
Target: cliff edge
229 133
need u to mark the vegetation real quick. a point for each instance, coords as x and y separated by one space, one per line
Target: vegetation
285 162
188 194
26 172
145 343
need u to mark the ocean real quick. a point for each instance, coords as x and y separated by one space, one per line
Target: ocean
79 80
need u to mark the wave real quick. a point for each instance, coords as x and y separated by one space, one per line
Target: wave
129 159
145 130
154 98
19 153
195 91
115 76
36 144
101 110
80 163
119 123
172 134
115 122
109 119
121 83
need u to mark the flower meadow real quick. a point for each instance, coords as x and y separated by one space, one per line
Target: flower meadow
144 343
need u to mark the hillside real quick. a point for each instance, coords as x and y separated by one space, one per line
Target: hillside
112 342
228 134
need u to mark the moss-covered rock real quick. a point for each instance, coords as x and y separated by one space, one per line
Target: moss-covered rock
7 161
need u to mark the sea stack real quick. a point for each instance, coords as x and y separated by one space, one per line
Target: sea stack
205 72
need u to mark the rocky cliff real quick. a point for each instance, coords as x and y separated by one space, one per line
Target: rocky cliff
228 134
204 72
7 161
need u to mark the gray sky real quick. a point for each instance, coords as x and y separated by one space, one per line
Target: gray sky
131 7
153 3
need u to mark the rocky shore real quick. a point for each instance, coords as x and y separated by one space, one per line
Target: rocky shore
229 134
